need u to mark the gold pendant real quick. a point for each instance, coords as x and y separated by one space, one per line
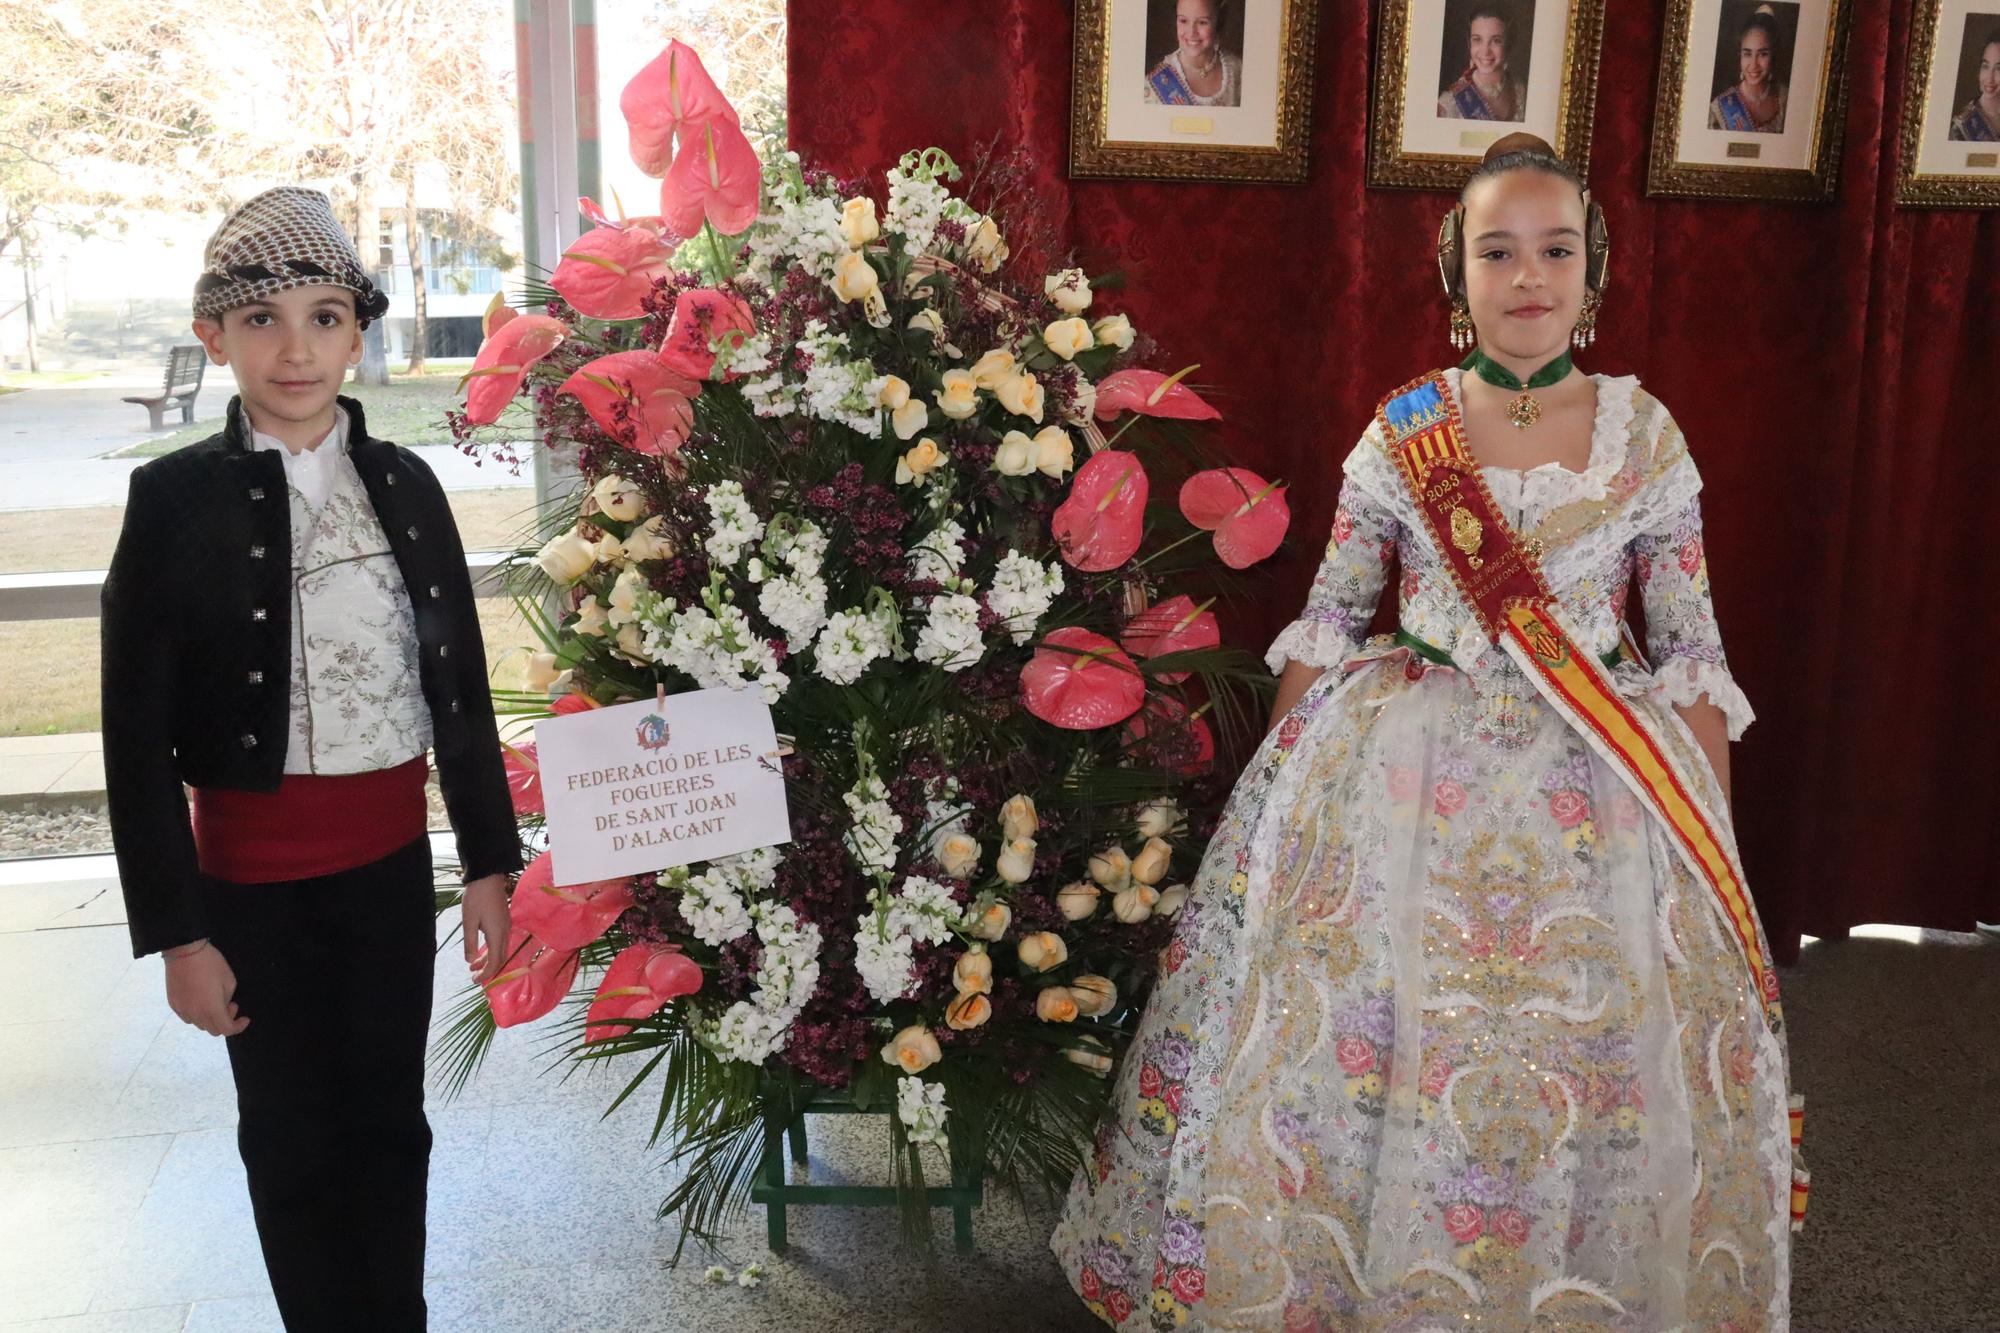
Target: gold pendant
1524 410
1466 534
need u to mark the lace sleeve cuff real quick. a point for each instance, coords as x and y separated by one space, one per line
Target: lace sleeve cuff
1309 643
1683 680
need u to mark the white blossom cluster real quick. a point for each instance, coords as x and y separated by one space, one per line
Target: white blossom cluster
1022 592
838 387
733 523
795 601
872 840
950 636
742 355
716 902
718 648
920 1106
798 229
940 555
787 972
916 205
851 641
921 912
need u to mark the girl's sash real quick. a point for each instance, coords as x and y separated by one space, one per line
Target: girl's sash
1168 86
1471 104
1500 578
1733 114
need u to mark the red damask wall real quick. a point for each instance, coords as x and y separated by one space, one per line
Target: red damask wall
1834 367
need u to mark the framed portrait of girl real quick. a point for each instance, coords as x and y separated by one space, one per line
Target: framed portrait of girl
1752 98
1192 89
1452 76
1950 149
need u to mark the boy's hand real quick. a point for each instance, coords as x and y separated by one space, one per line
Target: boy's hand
487 926
201 990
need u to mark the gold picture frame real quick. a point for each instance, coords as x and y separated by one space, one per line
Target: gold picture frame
1418 135
1941 164
1708 142
1120 129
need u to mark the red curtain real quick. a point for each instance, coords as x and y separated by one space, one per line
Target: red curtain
1833 367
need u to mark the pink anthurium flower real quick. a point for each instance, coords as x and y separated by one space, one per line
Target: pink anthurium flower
573 703
610 271
640 980
702 318
1176 625
535 979
1247 514
716 175
498 312
1099 526
1080 681
524 777
639 402
594 211
1151 394
1164 734
504 361
673 94
571 916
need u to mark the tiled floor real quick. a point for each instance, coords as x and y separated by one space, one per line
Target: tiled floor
122 1207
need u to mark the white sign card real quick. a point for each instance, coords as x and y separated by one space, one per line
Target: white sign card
645 786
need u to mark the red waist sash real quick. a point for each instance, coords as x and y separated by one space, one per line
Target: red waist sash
311 825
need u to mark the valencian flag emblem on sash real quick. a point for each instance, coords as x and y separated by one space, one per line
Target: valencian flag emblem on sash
1500 578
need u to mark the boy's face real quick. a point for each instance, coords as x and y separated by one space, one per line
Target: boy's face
289 352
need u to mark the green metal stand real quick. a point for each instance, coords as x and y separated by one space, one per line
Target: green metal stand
776 1194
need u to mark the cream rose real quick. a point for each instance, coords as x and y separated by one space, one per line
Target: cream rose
1150 866
1114 331
972 974
913 1049
854 278
1022 395
567 558
541 671
1018 818
967 1011
1017 860
958 854
919 462
592 618
1172 899
993 367
1135 904
958 396
910 418
894 392
1055 453
608 550
991 923
625 597
1091 1054
1111 868
1094 994
1067 337
618 498
928 321
985 247
1016 455
1082 404
1159 819
632 643
649 541
1077 901
1042 952
1069 289
857 222
1055 1004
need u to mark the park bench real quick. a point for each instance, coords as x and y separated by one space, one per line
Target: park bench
184 370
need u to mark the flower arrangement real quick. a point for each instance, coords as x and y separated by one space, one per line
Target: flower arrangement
849 456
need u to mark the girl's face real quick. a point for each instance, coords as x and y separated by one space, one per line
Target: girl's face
1489 45
1754 58
1194 24
1524 262
1989 71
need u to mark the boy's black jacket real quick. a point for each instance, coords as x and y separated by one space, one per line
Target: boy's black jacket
197 658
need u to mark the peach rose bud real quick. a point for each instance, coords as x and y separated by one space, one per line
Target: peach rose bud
913 1050
1056 1005
1077 901
968 1011
1044 951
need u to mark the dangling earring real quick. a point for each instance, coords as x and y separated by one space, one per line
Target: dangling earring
1461 324
1585 332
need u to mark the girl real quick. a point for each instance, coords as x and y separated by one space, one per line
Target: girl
1468 1022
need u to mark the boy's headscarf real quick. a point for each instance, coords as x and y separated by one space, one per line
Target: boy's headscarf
283 238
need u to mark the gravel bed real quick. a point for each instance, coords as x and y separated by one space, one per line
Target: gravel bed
76 826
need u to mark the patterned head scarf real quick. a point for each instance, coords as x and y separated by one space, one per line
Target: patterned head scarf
283 238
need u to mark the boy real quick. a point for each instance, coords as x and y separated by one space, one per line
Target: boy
288 627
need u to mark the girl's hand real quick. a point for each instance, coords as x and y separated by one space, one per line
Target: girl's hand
201 990
487 926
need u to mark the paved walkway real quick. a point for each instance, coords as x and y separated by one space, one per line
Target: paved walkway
67 765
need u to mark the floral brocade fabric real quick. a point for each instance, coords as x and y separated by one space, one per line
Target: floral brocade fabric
1448 1037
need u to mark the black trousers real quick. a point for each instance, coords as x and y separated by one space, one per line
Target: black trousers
334 974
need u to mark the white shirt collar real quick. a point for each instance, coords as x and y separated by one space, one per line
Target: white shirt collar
310 471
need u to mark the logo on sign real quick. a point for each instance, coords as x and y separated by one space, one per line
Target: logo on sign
653 732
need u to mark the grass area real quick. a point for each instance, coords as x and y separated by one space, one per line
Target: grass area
42 540
407 410
51 667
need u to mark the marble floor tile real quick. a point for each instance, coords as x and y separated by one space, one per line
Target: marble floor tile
63 1208
192 1238
152 1319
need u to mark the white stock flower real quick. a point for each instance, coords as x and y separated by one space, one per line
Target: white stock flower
950 637
1022 592
848 643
